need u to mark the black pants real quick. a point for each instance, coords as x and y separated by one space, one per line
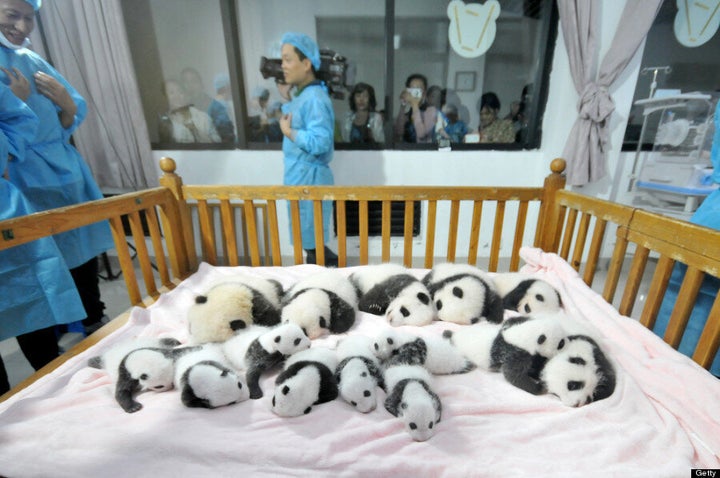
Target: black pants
39 347
87 283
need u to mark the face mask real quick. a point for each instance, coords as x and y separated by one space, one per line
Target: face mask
5 42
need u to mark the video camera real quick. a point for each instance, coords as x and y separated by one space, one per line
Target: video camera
333 71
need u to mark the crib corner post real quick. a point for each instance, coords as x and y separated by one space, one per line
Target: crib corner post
546 237
174 183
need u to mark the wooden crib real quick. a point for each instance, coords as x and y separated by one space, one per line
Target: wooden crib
602 255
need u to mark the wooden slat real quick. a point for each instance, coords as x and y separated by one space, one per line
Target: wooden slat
341 221
125 260
430 234
683 306
633 280
143 255
229 232
207 232
453 231
319 232
593 256
656 292
363 231
252 232
296 231
519 233
274 232
475 233
569 233
156 238
497 236
615 267
408 233
580 238
386 230
709 342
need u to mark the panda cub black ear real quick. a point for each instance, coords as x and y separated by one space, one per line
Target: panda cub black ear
200 299
423 297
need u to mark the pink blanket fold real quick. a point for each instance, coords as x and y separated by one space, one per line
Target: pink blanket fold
662 419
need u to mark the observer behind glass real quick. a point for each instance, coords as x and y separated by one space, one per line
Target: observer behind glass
308 128
52 173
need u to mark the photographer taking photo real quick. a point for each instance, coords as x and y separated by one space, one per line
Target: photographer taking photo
307 125
415 122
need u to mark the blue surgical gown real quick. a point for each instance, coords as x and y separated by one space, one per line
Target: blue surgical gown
307 158
36 287
52 173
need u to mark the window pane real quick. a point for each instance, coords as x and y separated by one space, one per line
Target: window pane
453 48
680 69
183 76
353 30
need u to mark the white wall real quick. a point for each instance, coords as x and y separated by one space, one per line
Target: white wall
517 168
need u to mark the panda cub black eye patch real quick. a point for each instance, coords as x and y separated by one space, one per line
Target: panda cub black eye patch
277 339
541 339
527 309
285 390
323 323
297 341
404 311
201 299
237 324
390 341
540 298
575 385
423 297
366 393
438 305
458 292
413 426
577 360
144 376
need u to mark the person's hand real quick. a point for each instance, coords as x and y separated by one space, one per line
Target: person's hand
285 122
413 101
56 92
19 85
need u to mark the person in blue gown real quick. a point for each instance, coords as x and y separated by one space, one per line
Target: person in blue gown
52 173
36 287
307 125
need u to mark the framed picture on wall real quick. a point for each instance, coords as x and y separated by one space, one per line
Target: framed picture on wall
465 81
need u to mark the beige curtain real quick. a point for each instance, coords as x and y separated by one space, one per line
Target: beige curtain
586 147
86 41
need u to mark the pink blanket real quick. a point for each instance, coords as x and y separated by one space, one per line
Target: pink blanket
662 419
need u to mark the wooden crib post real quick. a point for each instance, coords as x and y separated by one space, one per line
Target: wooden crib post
173 182
546 232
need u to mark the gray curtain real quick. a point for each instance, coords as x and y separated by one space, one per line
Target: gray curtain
87 43
586 147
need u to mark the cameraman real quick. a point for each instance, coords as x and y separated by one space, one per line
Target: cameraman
307 125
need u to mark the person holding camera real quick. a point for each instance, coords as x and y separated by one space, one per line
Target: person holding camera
415 122
307 125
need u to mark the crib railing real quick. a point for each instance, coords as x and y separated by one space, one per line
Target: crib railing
645 247
452 221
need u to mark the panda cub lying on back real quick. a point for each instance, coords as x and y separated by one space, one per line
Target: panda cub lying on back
358 373
391 290
411 399
526 294
463 294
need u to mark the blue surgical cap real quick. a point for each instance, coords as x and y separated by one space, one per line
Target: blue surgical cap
36 4
305 44
221 80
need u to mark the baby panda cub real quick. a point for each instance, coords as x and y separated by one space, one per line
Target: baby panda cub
411 399
475 342
437 355
138 365
391 290
259 349
358 373
232 305
463 294
525 294
580 373
523 346
320 303
205 379
307 380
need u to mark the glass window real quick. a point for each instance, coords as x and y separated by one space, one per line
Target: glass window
670 66
480 61
180 60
